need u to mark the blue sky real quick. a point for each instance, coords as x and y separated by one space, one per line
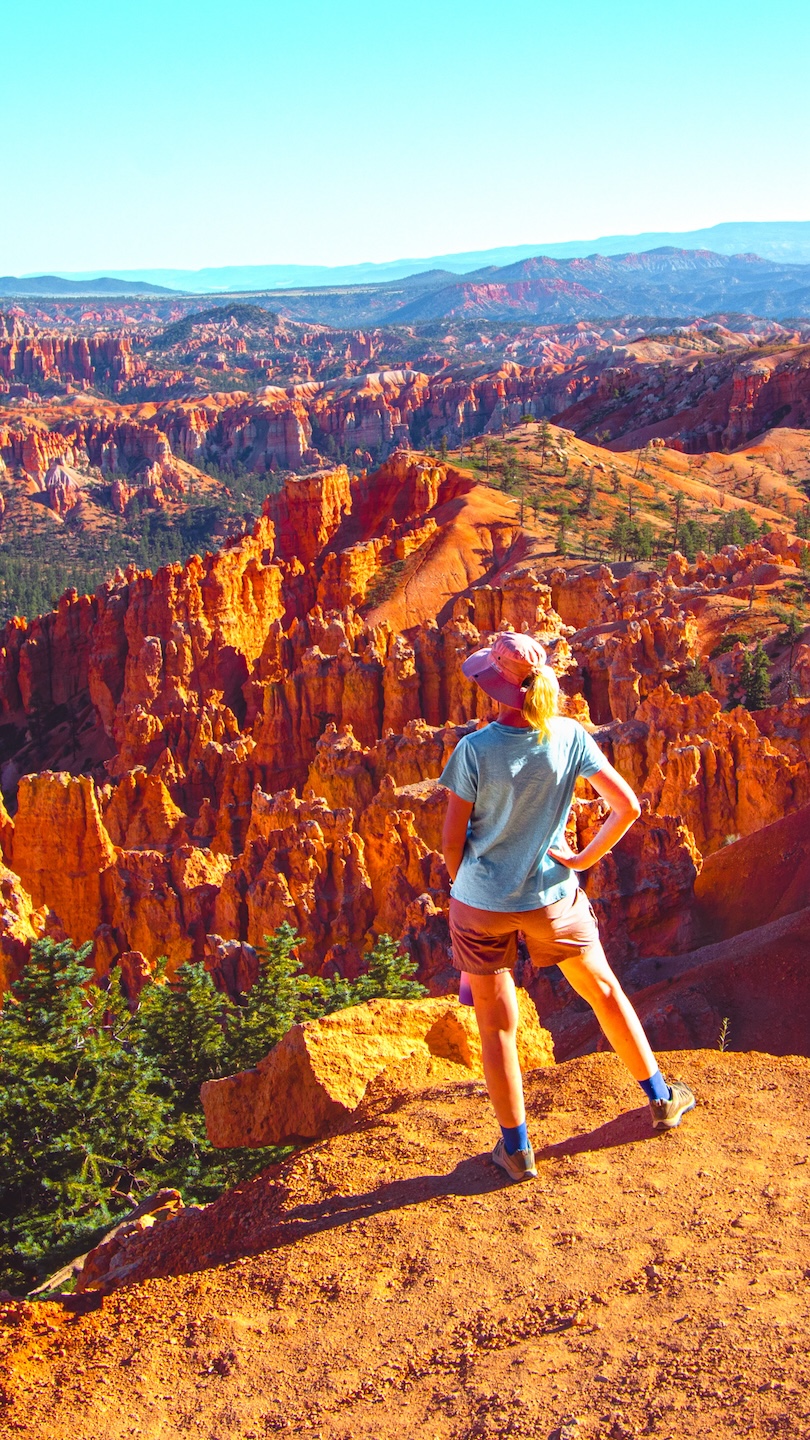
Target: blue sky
186 133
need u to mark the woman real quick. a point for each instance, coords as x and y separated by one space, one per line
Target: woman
511 786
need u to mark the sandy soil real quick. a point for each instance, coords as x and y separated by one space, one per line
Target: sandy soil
388 1282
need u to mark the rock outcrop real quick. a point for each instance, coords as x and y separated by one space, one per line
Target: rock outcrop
62 487
319 1072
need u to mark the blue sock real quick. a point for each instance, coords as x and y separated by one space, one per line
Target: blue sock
656 1087
515 1137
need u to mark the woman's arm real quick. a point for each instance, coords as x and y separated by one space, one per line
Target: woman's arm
454 833
624 810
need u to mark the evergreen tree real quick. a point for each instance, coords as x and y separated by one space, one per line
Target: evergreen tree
78 1109
510 471
588 493
794 629
756 681
282 996
677 513
695 682
562 531
693 538
620 536
183 1027
390 974
642 541
736 528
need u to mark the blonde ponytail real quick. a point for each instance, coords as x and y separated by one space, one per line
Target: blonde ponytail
541 701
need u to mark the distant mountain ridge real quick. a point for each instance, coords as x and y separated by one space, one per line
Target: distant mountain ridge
665 282
668 283
784 241
57 285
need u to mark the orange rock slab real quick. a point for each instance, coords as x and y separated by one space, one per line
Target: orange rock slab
319 1072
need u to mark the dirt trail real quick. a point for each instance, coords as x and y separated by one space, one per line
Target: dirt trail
646 1285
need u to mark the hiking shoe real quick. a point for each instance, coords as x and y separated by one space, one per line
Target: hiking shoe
666 1114
519 1166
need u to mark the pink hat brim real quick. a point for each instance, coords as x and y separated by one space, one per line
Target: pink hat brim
479 667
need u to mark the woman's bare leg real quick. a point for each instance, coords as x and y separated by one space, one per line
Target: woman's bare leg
496 1010
591 976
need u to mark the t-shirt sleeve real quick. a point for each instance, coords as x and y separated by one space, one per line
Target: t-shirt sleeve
591 759
460 774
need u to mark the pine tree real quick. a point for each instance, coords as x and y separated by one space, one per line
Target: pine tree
588 493
78 1109
794 629
756 681
281 997
390 974
692 539
183 1027
642 541
562 531
620 536
510 471
677 513
696 681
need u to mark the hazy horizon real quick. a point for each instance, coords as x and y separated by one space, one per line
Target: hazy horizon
786 242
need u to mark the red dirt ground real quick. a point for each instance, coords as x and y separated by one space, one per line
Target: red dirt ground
387 1282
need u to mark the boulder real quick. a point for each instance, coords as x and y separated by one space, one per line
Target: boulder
319 1072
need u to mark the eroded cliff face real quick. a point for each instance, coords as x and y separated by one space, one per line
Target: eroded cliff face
195 756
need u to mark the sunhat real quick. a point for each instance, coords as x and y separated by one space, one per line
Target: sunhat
503 668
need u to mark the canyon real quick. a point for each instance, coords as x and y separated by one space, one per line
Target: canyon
129 436
239 390
193 756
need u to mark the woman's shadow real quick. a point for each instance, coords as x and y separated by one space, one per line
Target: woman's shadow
251 1219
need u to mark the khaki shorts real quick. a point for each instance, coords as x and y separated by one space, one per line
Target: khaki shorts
485 941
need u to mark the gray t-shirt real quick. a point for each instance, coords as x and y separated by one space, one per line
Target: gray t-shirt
521 788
